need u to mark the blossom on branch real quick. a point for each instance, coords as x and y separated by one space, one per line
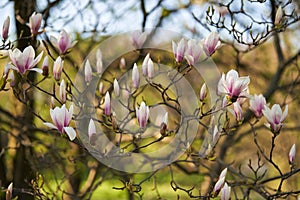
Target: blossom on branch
24 61
135 76
138 39
193 52
57 68
233 86
257 103
35 22
107 104
63 43
292 154
5 28
61 118
211 43
179 49
142 114
275 117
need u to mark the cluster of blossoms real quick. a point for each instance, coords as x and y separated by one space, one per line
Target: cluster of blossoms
191 50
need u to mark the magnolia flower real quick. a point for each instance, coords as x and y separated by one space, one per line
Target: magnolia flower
237 111
57 68
292 154
62 92
92 132
116 88
257 103
99 62
35 22
278 16
135 76
211 43
9 192
138 39
64 42
107 104
179 49
150 69
203 92
275 117
142 114
193 52
23 61
215 134
45 66
122 63
225 192
5 28
233 86
87 71
61 118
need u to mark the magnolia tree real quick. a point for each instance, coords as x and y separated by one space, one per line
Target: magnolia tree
150 104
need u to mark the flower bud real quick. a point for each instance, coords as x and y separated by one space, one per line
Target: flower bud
9 192
12 79
138 39
292 154
203 92
145 65
164 124
218 186
116 88
142 114
150 69
107 104
101 88
225 192
92 132
45 66
99 62
62 92
88 72
57 68
35 22
278 16
135 76
122 63
5 28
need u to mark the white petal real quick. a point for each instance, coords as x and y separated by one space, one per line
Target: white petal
50 125
70 132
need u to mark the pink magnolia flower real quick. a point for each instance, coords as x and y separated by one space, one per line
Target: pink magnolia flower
61 118
150 68
275 117
64 42
135 76
24 61
233 86
193 52
138 39
5 28
225 192
35 22
211 43
257 103
107 104
57 68
292 154
179 49
142 114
